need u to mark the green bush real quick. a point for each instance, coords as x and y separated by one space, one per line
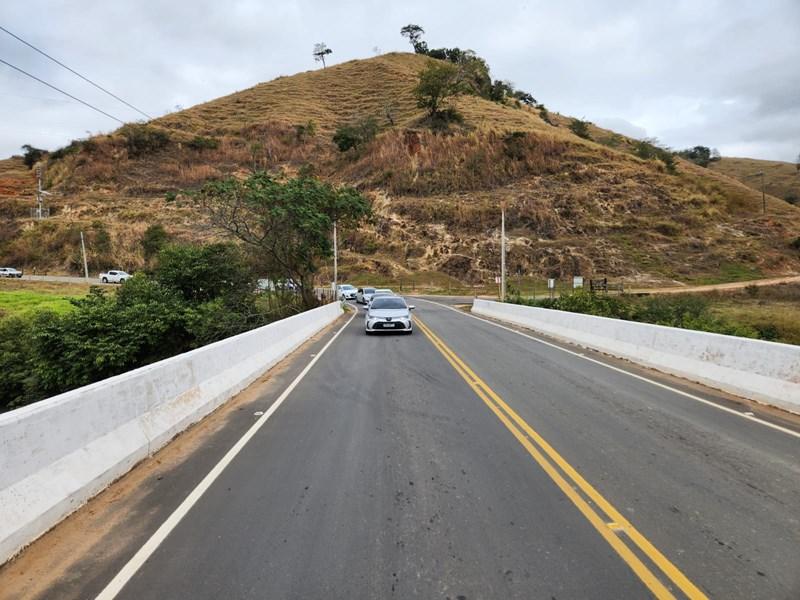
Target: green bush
196 295
355 134
32 155
580 128
200 143
203 273
154 239
143 139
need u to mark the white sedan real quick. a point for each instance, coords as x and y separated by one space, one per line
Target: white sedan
389 313
10 272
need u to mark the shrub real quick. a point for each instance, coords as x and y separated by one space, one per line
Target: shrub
14 353
544 114
306 130
795 243
203 273
203 143
355 134
32 155
143 139
580 128
649 150
154 239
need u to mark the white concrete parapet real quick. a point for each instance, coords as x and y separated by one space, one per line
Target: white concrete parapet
767 372
58 453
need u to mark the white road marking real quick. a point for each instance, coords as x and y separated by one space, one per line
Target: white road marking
135 563
746 415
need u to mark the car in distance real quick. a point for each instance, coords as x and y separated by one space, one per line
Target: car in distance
378 294
384 291
388 313
364 295
346 292
114 276
10 272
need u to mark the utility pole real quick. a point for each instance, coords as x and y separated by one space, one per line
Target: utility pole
335 259
85 264
503 251
40 212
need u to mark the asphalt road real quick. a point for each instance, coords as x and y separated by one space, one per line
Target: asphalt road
471 462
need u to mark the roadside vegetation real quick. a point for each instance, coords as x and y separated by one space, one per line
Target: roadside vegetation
769 313
193 296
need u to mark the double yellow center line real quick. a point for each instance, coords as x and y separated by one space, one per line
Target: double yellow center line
607 520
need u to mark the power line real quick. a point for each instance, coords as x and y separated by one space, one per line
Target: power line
62 91
43 53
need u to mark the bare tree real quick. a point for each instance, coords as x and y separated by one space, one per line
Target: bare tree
321 50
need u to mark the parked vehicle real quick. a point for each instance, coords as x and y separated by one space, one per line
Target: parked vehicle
114 277
364 295
10 272
346 291
384 291
388 313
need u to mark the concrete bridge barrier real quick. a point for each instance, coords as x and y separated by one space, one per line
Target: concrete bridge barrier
58 453
767 372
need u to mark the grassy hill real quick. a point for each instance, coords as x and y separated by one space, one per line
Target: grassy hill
781 179
576 206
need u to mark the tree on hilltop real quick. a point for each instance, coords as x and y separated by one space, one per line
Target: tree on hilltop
321 50
414 34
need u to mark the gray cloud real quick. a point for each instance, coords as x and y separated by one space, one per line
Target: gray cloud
718 73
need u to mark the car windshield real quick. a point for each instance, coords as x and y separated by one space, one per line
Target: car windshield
388 302
369 290
347 286
383 291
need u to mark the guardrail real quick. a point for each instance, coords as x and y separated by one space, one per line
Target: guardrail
767 372
58 453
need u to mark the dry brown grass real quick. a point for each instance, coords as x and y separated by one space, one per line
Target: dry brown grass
575 206
781 179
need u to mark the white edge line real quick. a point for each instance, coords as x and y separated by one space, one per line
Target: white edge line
619 370
115 586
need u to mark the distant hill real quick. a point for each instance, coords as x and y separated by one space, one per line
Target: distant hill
576 206
781 179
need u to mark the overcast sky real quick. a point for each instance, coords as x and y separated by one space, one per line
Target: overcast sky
724 74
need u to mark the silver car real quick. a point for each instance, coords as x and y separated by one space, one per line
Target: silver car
389 313
364 295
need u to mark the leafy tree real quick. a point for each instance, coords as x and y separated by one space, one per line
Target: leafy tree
154 239
353 135
700 155
438 83
321 50
414 34
287 224
32 155
203 273
580 128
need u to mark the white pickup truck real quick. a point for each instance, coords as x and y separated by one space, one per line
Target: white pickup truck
114 277
10 272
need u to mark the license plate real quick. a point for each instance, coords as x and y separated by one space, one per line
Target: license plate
389 325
